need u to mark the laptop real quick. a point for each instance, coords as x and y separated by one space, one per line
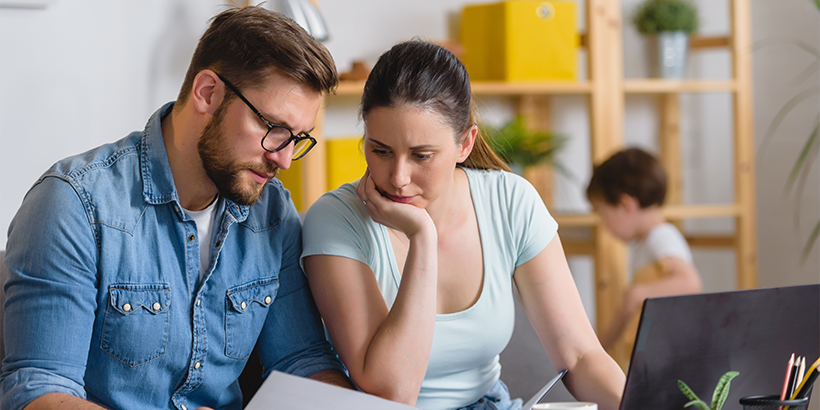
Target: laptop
697 338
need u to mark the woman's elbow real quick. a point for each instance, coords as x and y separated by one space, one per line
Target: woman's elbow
401 392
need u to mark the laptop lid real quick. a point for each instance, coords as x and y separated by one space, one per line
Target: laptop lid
697 338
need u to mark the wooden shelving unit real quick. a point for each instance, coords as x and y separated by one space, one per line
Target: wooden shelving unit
605 89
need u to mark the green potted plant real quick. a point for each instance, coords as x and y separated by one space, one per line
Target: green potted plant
522 148
668 24
718 397
804 97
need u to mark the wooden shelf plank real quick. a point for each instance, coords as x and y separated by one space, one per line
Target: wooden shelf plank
530 87
650 86
676 212
574 220
671 212
355 88
350 88
696 42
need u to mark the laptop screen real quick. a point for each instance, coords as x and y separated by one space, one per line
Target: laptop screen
697 338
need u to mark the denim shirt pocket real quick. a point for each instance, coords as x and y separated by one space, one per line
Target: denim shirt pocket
135 329
245 313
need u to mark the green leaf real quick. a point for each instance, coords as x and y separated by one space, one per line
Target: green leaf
781 115
766 42
515 144
697 403
722 390
810 244
654 16
687 391
801 159
817 3
800 186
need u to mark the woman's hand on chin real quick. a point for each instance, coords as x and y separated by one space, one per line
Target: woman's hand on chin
406 218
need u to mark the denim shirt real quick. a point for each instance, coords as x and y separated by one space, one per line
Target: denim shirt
104 300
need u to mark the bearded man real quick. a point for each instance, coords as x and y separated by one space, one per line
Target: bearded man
144 272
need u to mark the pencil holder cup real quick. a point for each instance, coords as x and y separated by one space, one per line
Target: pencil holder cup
773 403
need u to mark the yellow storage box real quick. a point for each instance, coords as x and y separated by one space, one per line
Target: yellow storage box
345 163
292 180
520 40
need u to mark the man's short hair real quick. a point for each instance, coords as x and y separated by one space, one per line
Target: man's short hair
244 45
633 172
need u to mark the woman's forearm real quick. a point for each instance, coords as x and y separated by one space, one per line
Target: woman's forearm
396 360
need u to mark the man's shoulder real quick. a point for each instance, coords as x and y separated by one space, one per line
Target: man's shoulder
97 160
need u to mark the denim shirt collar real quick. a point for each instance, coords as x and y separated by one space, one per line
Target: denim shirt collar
157 179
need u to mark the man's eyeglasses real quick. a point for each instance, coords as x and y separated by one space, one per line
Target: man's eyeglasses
278 137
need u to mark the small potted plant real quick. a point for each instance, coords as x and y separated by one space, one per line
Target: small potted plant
718 397
522 148
668 24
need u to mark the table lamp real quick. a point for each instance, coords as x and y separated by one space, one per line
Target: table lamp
305 13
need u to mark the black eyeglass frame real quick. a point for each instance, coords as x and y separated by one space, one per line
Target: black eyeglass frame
295 138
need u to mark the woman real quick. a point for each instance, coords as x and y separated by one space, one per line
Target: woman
412 266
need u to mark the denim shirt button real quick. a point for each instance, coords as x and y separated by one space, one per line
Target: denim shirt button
198 301
191 238
197 365
218 243
267 300
183 407
126 307
156 306
243 305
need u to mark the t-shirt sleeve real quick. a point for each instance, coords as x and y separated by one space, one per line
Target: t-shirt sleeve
334 226
667 242
533 226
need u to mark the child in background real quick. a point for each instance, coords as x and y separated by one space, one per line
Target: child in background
627 191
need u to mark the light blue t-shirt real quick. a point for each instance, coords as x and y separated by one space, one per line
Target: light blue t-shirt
514 226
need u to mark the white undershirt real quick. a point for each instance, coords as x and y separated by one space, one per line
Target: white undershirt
204 220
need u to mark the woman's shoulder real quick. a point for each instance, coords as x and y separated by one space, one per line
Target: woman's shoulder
498 181
344 195
340 203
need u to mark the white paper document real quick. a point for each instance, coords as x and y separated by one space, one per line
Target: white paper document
282 391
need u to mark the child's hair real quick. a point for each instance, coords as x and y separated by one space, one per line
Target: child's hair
633 172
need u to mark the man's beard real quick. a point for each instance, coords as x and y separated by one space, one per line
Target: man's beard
215 157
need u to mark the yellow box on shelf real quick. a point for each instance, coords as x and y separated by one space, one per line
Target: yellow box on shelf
345 163
292 180
520 40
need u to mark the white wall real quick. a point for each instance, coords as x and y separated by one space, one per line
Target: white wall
78 74
81 73
782 235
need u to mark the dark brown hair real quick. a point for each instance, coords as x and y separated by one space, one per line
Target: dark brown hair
633 172
428 76
244 44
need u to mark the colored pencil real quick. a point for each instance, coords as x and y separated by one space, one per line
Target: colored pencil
808 380
795 381
801 370
787 381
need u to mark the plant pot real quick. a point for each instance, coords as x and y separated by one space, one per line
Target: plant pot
667 54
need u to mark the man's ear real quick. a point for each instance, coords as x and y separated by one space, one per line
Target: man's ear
466 146
629 203
207 92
